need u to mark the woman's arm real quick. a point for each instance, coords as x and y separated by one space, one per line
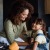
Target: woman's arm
24 31
22 43
35 45
9 30
24 28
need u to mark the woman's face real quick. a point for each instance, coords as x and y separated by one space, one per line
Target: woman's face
24 14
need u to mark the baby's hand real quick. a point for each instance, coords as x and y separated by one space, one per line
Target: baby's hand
32 40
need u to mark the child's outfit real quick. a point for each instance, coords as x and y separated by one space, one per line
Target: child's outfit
41 39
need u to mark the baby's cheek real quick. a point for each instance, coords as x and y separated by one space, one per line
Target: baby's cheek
34 28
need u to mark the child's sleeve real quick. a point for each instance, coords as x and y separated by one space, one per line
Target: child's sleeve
40 39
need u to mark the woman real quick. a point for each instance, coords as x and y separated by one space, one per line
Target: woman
15 25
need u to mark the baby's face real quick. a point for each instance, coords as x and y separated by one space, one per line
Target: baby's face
36 26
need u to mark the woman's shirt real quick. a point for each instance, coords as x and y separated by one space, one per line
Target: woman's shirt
14 31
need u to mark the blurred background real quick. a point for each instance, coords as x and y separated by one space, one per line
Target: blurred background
1 15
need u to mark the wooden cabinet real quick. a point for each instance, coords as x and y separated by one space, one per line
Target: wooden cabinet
47 6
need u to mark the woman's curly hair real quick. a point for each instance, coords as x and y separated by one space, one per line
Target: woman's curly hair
18 7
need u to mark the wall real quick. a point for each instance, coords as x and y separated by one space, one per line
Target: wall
40 8
1 15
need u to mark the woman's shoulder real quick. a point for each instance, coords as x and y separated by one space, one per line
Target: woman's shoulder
7 21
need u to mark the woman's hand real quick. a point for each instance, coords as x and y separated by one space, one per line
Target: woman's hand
32 40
